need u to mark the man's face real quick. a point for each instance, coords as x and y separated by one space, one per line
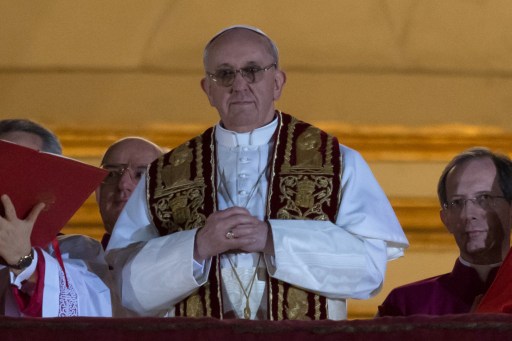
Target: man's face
126 161
482 233
243 106
23 138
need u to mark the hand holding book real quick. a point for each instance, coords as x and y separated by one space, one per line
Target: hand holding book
14 232
30 177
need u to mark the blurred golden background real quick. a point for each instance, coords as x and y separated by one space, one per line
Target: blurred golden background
408 83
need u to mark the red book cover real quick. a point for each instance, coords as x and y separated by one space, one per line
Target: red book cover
29 176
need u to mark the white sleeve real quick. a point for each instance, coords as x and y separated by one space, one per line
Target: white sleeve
153 272
347 259
161 274
133 224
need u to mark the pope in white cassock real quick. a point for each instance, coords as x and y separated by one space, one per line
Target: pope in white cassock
262 216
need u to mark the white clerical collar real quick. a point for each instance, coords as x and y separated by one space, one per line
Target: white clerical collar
466 263
482 270
257 137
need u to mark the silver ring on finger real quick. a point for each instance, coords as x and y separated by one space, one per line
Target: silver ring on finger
230 235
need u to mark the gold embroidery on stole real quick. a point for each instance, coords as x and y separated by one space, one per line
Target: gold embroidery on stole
194 306
177 197
297 304
306 186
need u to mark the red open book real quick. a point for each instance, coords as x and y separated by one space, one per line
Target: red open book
29 176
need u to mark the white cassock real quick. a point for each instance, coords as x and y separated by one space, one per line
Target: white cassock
343 260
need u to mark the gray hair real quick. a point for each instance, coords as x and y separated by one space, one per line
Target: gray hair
272 48
51 143
503 168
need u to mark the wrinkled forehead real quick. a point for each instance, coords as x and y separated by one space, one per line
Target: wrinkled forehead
235 35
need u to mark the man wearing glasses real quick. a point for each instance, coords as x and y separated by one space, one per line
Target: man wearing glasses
475 193
262 216
126 160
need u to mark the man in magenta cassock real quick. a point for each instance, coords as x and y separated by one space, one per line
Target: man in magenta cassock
475 192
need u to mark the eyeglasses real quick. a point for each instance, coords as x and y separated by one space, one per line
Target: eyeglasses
116 172
252 74
485 201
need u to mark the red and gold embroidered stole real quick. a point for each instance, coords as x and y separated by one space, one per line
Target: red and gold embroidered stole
304 184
